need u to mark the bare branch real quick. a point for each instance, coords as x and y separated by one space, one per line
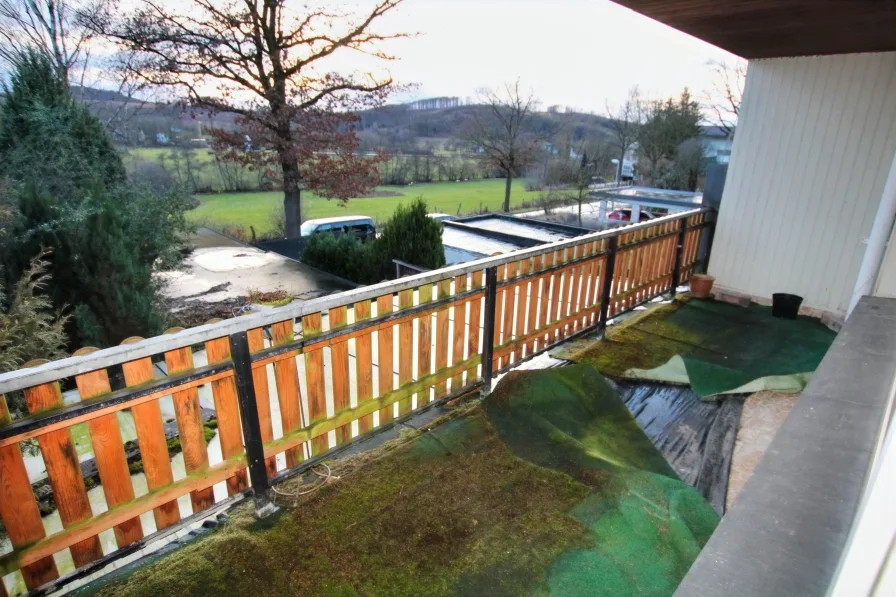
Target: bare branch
724 97
262 61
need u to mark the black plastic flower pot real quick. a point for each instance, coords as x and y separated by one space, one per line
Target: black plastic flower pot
786 306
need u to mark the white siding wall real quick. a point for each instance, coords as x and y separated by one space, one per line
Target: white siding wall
813 147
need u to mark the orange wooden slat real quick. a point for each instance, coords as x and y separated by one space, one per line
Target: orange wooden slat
647 277
364 364
339 371
533 307
286 376
500 294
405 349
588 281
262 396
630 265
637 267
556 294
600 274
227 409
656 267
424 342
522 306
108 450
541 340
443 341
19 511
64 471
385 356
510 291
151 439
569 296
582 279
474 336
314 374
189 425
460 328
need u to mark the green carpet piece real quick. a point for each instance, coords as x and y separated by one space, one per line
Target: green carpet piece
714 347
546 489
646 526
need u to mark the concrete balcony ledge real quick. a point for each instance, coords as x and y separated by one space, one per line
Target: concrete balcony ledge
787 531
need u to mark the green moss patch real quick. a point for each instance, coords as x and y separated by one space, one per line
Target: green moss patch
451 512
549 488
724 347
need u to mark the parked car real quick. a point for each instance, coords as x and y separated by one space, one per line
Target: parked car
625 215
361 227
441 217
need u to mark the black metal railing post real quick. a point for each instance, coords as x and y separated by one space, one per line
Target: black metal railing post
676 272
608 283
488 335
706 239
245 386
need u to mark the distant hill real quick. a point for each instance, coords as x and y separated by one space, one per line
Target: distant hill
412 124
430 124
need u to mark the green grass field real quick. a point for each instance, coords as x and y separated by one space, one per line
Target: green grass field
256 209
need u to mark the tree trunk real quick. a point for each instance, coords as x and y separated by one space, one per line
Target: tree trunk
619 168
507 192
581 192
292 198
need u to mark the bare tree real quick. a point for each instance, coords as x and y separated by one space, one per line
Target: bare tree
502 132
594 154
52 27
723 99
267 62
625 124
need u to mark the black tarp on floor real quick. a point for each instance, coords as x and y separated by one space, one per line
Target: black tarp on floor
696 436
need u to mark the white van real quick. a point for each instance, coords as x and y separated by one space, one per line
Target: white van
361 227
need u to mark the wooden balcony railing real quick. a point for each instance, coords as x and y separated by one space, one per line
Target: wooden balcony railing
337 368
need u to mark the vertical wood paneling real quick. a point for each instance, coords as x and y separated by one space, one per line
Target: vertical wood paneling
286 376
189 425
443 340
534 297
64 471
424 341
500 306
510 300
385 351
18 509
814 143
364 365
405 350
317 390
475 322
339 359
547 293
522 306
151 438
108 451
227 411
460 326
262 396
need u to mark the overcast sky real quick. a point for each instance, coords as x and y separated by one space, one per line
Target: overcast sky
579 53
572 53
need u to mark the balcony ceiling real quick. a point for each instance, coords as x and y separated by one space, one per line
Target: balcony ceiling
776 28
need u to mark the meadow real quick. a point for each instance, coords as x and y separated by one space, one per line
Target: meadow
258 209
